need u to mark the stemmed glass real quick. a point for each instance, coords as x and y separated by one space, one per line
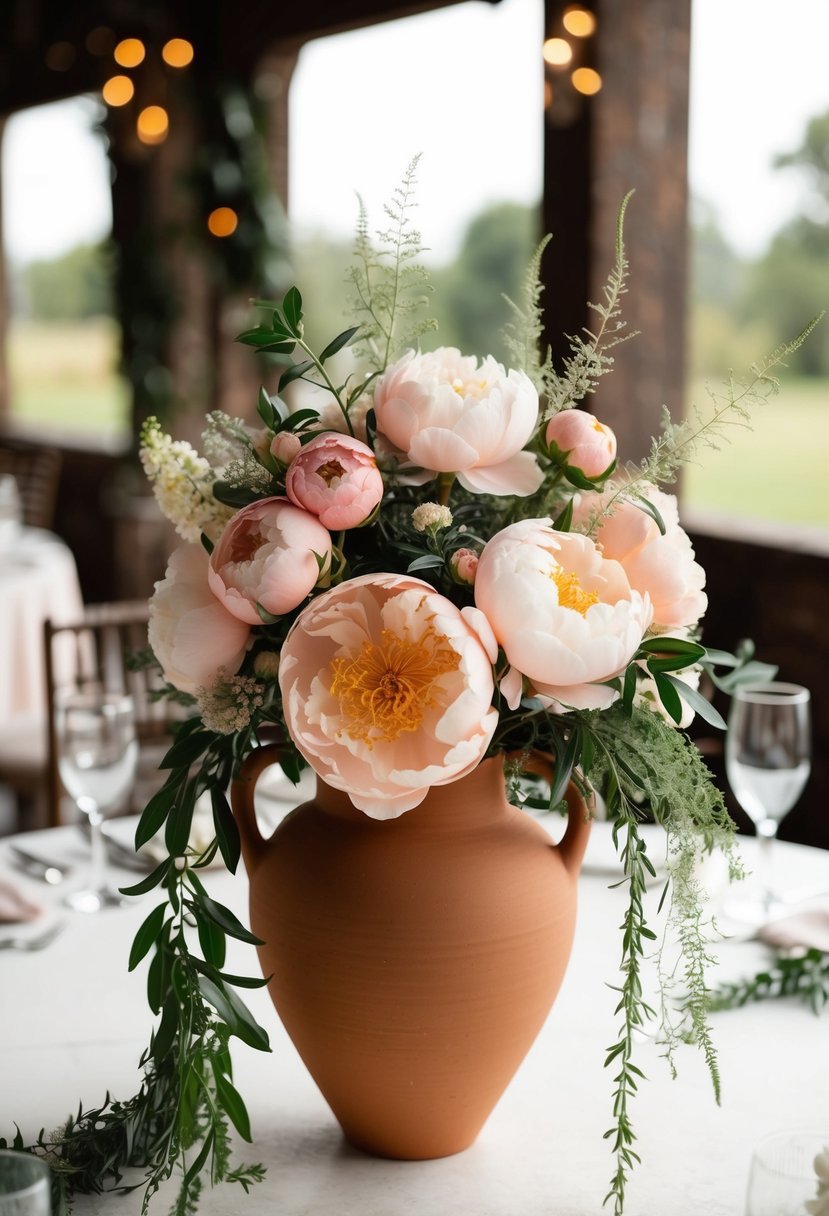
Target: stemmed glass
97 758
767 752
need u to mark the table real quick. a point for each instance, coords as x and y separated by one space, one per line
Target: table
73 1023
38 579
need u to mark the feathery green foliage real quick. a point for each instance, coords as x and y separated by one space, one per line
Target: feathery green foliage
805 976
522 335
390 284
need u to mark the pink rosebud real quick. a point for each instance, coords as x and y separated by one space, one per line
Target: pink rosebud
271 553
464 564
585 443
336 478
284 446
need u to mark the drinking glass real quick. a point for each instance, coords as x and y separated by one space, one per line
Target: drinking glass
783 1176
767 751
25 1185
97 757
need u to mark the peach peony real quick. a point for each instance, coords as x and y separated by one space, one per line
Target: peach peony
448 415
662 567
190 633
565 616
387 691
336 478
581 441
268 555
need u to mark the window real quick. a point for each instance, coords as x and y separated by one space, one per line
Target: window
63 340
458 86
761 247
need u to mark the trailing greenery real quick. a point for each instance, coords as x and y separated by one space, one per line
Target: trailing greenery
178 1122
805 976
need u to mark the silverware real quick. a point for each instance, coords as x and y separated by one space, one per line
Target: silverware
38 867
33 943
121 854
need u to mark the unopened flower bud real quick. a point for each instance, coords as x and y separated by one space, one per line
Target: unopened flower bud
266 665
464 565
285 445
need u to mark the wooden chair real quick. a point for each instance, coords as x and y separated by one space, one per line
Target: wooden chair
37 473
102 645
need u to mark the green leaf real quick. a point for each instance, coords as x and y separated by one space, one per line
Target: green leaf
564 768
206 543
199 1162
266 617
300 419
292 308
212 941
645 505
179 822
697 702
147 935
234 1013
428 562
167 1027
226 920
154 814
629 686
679 646
185 751
227 833
266 410
152 880
673 662
231 1102
233 496
264 338
338 343
668 695
578 479
294 372
564 519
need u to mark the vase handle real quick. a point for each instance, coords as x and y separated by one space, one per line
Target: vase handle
579 814
241 800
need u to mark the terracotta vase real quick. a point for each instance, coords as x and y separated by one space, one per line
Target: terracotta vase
414 960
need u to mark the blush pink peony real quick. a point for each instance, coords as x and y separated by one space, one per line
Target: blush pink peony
191 634
387 691
584 442
268 554
663 567
566 617
449 415
336 478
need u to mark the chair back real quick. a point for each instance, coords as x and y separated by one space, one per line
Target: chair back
37 473
104 648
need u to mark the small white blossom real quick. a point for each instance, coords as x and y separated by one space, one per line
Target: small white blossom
228 705
182 482
431 516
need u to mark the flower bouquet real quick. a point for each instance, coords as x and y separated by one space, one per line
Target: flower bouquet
402 574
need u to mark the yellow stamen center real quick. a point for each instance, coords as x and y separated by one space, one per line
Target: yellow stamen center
470 388
332 470
571 594
386 687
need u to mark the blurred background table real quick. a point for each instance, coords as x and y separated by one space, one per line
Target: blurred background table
73 1023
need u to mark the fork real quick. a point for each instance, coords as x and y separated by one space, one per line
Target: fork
33 943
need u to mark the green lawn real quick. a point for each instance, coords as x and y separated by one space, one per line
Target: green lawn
777 470
64 377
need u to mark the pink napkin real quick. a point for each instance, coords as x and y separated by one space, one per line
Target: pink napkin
808 927
14 907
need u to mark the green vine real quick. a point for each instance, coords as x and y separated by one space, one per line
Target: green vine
805 976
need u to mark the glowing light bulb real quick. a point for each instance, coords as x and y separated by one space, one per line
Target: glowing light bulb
118 90
153 125
177 53
586 80
579 22
223 221
129 52
557 52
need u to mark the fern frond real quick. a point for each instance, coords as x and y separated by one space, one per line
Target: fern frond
522 335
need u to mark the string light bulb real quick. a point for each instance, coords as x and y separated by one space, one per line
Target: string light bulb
152 125
177 53
118 90
579 22
129 52
557 52
222 221
586 81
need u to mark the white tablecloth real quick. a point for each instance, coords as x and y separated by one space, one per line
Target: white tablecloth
73 1023
38 580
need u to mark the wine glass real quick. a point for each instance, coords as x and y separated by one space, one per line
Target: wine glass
783 1175
767 751
97 758
25 1184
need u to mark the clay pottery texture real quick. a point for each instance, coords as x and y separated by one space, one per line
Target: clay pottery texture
414 960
